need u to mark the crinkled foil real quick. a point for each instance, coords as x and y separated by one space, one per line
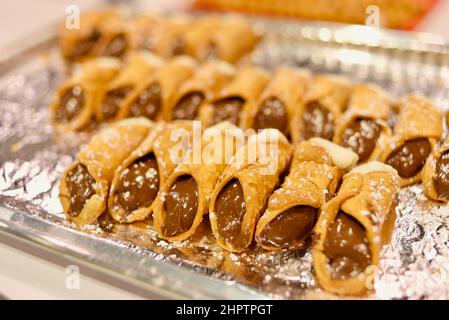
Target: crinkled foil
414 265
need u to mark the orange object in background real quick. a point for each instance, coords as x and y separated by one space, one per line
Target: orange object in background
397 14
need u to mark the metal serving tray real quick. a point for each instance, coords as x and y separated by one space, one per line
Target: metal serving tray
32 158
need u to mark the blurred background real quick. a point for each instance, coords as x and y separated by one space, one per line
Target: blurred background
19 17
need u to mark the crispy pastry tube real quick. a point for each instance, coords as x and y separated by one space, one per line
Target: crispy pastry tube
230 41
279 101
232 102
243 189
137 180
416 134
363 127
84 185
353 227
203 86
292 212
80 43
153 97
168 38
324 102
199 35
435 175
74 103
139 68
184 199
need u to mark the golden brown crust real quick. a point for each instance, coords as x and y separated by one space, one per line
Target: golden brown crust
258 176
428 172
368 102
209 79
313 179
139 67
159 142
217 141
331 92
247 84
102 156
169 77
367 196
288 84
418 118
92 78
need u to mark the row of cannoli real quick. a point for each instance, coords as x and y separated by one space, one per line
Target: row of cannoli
253 188
296 103
116 33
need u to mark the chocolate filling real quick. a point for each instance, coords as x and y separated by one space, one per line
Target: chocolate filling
70 105
441 177
228 109
117 46
271 114
290 227
410 158
148 102
85 46
80 184
112 101
230 209
139 183
181 205
317 121
187 106
347 247
178 46
361 136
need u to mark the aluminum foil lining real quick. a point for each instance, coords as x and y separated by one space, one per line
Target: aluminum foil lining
414 265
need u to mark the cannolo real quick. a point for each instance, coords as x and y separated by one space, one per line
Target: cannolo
74 103
139 68
416 134
168 37
137 180
323 104
363 127
116 37
232 102
232 39
85 184
80 42
243 189
292 211
279 101
203 86
184 199
435 175
199 35
154 96
353 227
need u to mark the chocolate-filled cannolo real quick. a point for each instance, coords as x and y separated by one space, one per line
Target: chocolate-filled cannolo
154 96
353 227
139 67
168 36
279 101
363 127
85 184
184 199
199 34
242 191
435 175
324 102
230 40
292 211
79 43
137 180
204 85
74 103
416 134
232 102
